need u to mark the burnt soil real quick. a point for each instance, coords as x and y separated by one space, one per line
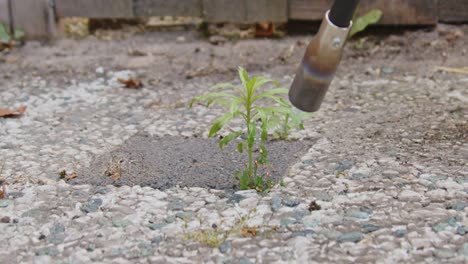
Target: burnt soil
164 162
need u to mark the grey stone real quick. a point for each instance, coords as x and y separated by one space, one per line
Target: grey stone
5 203
170 219
351 237
56 238
184 215
400 232
119 222
390 174
57 228
437 178
387 70
225 247
322 196
452 221
462 230
285 222
298 214
245 261
303 233
440 227
157 240
146 249
458 206
176 205
343 166
115 252
369 228
358 176
310 222
357 214
464 249
57 235
290 202
444 253
14 195
409 196
101 190
276 202
35 212
235 198
156 226
91 205
90 247
49 251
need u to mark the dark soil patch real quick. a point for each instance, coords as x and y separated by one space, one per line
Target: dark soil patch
164 162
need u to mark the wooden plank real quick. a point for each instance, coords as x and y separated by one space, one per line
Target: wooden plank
4 11
192 8
267 10
224 11
32 17
95 8
453 10
245 11
395 12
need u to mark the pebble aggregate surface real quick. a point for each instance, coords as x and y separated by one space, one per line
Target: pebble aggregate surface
385 181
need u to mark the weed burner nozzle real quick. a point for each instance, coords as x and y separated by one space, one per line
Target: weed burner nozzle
318 67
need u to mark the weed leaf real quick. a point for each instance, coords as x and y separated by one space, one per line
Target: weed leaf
251 136
225 140
244 180
220 123
240 147
244 77
364 21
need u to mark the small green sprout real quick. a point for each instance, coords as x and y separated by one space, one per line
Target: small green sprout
247 103
5 36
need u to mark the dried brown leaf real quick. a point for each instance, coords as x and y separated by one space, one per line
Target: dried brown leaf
3 192
71 176
249 232
131 83
12 113
114 170
116 175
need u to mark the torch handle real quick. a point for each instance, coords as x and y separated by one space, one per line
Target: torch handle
342 12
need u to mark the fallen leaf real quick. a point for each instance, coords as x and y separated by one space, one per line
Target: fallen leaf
3 192
116 175
12 113
114 170
131 83
63 175
249 232
71 176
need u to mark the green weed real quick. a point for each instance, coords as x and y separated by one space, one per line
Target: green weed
247 104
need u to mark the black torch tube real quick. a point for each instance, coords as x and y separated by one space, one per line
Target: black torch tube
342 12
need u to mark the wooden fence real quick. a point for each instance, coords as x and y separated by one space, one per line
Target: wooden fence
37 16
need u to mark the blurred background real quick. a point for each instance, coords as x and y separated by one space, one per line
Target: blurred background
43 19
